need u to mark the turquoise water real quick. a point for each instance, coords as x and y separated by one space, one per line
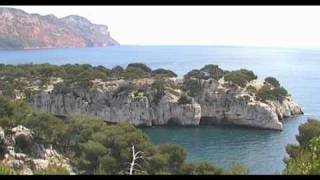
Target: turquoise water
261 150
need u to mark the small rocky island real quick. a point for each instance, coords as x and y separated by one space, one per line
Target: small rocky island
146 97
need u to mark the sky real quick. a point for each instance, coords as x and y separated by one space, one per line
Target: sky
268 26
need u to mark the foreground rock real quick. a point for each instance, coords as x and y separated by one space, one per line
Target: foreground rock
215 103
32 157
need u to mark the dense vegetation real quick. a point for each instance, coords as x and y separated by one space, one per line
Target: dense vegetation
96 147
304 157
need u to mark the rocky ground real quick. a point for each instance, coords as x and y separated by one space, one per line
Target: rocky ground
32 157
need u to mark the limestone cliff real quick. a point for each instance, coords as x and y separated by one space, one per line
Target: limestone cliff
215 103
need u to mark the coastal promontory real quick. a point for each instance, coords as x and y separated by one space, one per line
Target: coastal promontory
21 30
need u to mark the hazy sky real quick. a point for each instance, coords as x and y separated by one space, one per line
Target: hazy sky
285 26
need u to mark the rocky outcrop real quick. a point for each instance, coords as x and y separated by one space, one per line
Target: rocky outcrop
215 103
32 157
19 29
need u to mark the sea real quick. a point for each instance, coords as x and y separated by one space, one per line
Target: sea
262 151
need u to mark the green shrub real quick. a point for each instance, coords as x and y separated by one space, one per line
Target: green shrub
176 156
240 77
164 73
280 93
273 81
251 89
196 74
248 74
267 93
212 71
134 73
140 66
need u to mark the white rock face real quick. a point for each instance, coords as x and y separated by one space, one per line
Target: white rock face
24 163
214 103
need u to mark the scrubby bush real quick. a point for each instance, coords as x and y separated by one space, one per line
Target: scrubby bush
212 71
267 93
248 74
195 73
280 93
206 72
251 89
134 73
273 81
164 73
176 156
117 69
140 66
240 77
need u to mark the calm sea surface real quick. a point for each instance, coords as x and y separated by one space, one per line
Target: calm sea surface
261 150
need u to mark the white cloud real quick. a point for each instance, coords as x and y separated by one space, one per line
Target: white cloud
286 26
